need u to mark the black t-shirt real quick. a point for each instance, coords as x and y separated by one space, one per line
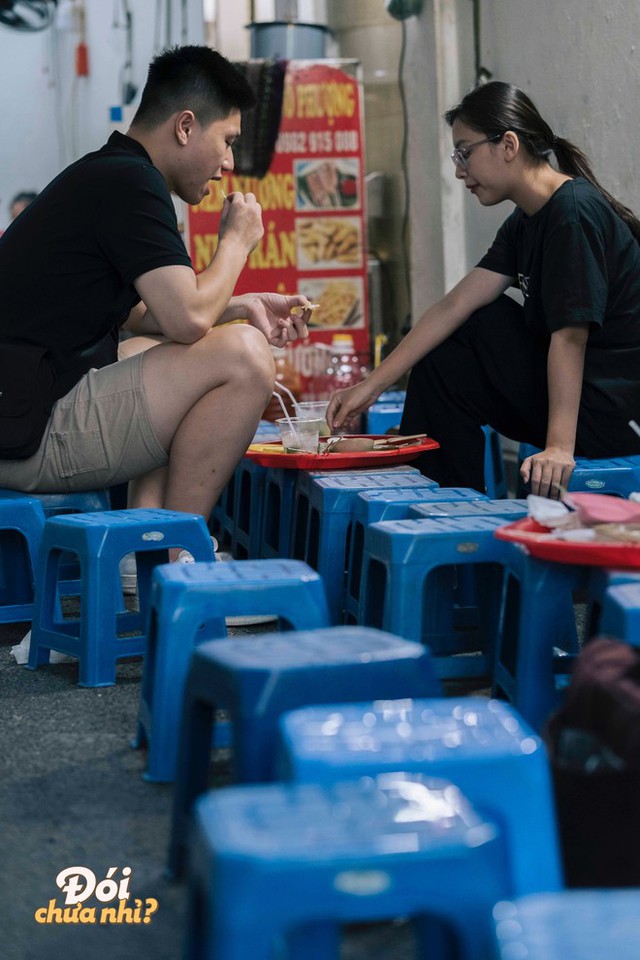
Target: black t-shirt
577 262
68 262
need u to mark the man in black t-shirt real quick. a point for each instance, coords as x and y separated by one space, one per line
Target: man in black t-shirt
98 251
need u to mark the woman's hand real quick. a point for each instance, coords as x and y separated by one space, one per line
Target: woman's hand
547 472
346 405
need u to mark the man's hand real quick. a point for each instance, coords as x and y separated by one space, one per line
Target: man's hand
241 220
281 319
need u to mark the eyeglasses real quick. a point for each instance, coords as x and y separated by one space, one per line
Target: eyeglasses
460 155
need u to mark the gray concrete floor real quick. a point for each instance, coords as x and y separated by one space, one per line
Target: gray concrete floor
71 794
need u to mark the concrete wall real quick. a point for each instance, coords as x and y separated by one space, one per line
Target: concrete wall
50 116
364 31
580 62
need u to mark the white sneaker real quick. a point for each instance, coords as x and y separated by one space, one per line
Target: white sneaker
250 620
185 557
129 575
129 572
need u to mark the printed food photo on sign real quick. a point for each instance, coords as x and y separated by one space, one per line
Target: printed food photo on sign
328 243
327 184
339 302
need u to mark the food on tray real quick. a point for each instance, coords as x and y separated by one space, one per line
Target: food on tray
366 444
322 240
347 445
336 304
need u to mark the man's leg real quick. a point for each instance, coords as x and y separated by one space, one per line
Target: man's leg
204 402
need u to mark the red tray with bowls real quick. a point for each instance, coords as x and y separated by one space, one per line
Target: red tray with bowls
272 455
536 539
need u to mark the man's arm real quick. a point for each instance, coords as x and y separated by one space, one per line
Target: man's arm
183 305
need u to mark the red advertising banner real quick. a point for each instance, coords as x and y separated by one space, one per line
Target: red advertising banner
313 203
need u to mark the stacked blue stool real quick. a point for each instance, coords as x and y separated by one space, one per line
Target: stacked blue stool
280 505
407 586
384 417
81 501
102 633
21 527
537 637
256 679
495 477
221 521
247 509
244 523
618 476
464 581
481 745
373 506
284 866
569 925
620 616
321 521
189 603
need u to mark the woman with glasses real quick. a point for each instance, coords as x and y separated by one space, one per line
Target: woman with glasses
562 370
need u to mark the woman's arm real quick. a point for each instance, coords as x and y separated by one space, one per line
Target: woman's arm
551 469
475 290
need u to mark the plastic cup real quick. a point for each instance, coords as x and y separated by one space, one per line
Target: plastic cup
299 435
313 410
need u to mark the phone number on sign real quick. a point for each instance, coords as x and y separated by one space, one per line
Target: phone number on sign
318 141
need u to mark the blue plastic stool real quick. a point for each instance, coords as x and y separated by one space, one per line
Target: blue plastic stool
257 678
188 605
322 513
221 521
621 610
383 417
99 540
247 509
266 431
373 506
599 580
495 477
280 505
409 586
21 527
569 925
466 585
509 510
479 744
82 501
285 865
277 509
392 396
537 638
618 476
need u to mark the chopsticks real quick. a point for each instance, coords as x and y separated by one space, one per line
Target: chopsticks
393 443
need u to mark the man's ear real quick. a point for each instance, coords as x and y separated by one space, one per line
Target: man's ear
511 145
183 126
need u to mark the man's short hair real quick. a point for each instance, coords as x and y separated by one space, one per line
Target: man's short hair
193 78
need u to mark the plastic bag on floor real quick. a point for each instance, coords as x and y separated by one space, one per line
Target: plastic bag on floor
20 652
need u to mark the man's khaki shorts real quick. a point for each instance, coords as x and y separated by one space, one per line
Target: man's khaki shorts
98 435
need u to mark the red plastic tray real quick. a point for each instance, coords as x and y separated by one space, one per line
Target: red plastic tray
536 539
337 461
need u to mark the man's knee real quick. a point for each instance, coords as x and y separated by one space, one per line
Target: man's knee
248 354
